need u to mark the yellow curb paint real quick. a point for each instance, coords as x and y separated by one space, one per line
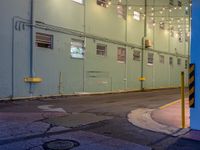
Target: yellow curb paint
169 104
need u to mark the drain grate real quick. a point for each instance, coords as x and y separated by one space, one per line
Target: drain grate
60 144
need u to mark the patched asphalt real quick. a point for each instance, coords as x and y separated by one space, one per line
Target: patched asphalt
102 116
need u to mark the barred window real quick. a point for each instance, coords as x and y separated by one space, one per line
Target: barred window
136 55
121 54
150 59
44 40
101 50
162 59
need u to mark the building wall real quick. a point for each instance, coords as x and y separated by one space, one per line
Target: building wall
62 74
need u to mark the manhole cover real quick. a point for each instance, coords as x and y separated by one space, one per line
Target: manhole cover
60 145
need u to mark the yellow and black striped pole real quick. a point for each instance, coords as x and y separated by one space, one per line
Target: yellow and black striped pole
192 85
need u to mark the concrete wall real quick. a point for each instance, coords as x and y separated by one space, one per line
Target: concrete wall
62 74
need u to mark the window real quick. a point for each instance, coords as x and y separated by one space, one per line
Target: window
162 59
136 15
121 54
77 48
78 1
180 39
186 64
186 12
103 3
150 59
101 49
121 11
44 40
179 3
171 60
136 55
178 61
162 25
187 37
172 33
171 2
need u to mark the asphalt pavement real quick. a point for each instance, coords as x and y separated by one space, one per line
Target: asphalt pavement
94 121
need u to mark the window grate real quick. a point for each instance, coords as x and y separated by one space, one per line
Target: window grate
162 59
171 60
150 59
101 50
121 54
44 40
136 55
178 61
102 3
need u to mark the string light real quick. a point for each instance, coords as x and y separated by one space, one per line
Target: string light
158 15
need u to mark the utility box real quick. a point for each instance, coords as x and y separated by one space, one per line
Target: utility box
195 61
148 43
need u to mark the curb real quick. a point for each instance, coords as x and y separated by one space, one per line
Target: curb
10 99
142 119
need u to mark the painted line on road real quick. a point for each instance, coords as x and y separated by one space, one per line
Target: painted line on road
50 109
169 104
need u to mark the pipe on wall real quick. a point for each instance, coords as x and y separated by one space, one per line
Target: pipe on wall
57 29
31 44
143 47
13 46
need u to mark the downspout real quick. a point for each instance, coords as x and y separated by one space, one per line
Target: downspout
31 45
13 42
85 40
143 46
126 38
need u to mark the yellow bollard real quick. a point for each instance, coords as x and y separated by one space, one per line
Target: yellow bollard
182 100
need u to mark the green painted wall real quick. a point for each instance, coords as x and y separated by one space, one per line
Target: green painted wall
62 74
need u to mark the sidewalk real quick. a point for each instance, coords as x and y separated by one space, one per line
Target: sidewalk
166 119
170 114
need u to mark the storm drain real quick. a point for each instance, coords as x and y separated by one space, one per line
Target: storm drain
60 145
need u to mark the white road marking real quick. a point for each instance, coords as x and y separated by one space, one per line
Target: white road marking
48 108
